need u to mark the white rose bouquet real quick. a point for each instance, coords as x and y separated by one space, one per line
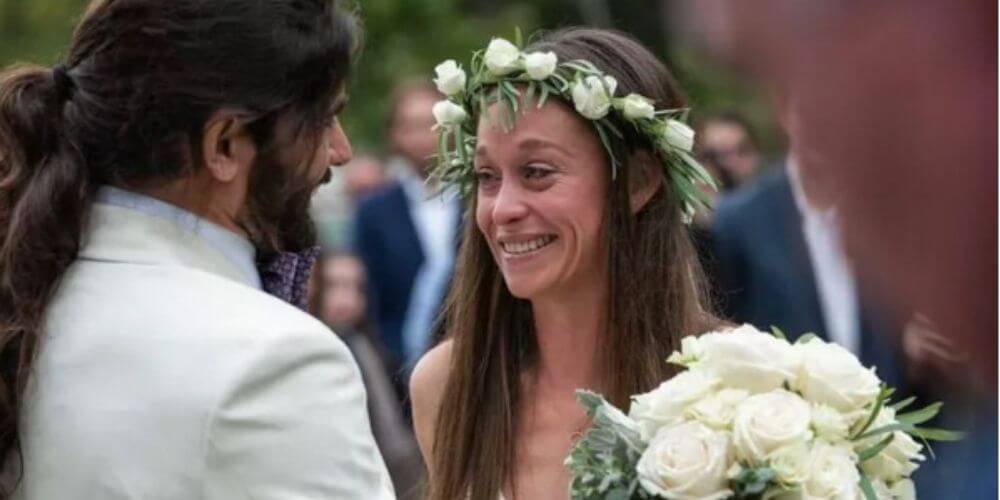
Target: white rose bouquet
755 417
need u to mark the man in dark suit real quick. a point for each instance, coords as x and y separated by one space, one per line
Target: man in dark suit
406 234
780 264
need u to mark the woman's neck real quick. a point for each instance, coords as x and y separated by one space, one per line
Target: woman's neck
568 329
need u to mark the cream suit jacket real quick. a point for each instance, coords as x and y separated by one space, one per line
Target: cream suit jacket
163 375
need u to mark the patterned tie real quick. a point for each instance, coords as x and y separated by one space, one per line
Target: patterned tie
286 276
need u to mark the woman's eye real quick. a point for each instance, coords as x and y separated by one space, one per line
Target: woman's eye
531 172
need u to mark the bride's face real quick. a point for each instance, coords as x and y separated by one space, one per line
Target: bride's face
541 193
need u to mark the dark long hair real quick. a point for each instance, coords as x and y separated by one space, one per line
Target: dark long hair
656 297
128 107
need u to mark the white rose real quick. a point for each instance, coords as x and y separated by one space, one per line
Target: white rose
790 463
767 422
828 423
502 57
687 461
689 354
665 405
540 65
717 410
450 78
591 98
635 106
746 358
899 459
831 474
679 135
900 490
831 375
448 114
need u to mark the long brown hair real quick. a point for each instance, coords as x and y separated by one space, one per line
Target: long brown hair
656 297
128 107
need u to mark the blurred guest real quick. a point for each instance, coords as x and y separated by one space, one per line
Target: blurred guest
363 176
781 263
334 205
341 303
406 234
727 146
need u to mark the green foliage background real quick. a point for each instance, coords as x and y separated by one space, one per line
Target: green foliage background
406 38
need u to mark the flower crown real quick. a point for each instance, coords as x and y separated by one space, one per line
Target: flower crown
503 65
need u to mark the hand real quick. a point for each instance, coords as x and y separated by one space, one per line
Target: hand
930 356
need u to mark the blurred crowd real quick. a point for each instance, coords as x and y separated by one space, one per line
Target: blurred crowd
772 249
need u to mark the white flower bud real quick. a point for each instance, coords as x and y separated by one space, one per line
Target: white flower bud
540 65
450 78
448 114
635 106
502 57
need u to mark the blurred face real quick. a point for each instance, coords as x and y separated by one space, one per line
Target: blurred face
727 146
343 292
363 176
281 185
411 133
540 199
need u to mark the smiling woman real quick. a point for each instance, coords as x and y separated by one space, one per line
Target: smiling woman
578 271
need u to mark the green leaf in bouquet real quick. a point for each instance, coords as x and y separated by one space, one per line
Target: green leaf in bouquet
806 337
883 396
937 434
875 449
900 405
778 333
866 487
920 416
604 460
752 482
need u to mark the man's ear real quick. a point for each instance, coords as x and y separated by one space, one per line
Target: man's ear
645 179
226 146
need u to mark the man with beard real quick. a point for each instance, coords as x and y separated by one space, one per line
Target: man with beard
142 183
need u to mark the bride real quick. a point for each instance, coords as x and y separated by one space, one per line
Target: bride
578 272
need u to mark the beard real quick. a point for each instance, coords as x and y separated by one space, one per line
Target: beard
277 210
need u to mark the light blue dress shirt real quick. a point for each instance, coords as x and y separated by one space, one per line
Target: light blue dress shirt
236 248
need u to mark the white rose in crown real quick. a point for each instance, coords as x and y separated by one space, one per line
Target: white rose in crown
717 410
831 375
502 57
540 65
678 135
687 461
592 96
448 114
666 404
450 79
831 474
767 422
635 106
898 460
745 358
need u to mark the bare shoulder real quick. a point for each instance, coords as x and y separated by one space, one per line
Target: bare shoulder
427 384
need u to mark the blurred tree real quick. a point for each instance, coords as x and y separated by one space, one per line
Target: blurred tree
407 38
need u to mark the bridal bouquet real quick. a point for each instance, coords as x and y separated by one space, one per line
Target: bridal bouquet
755 417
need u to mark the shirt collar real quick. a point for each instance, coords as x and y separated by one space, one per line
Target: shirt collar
798 193
237 249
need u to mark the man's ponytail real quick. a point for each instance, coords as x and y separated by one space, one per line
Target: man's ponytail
45 193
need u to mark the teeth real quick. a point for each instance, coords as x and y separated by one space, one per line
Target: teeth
522 247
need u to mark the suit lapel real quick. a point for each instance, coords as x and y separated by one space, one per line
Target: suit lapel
406 230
